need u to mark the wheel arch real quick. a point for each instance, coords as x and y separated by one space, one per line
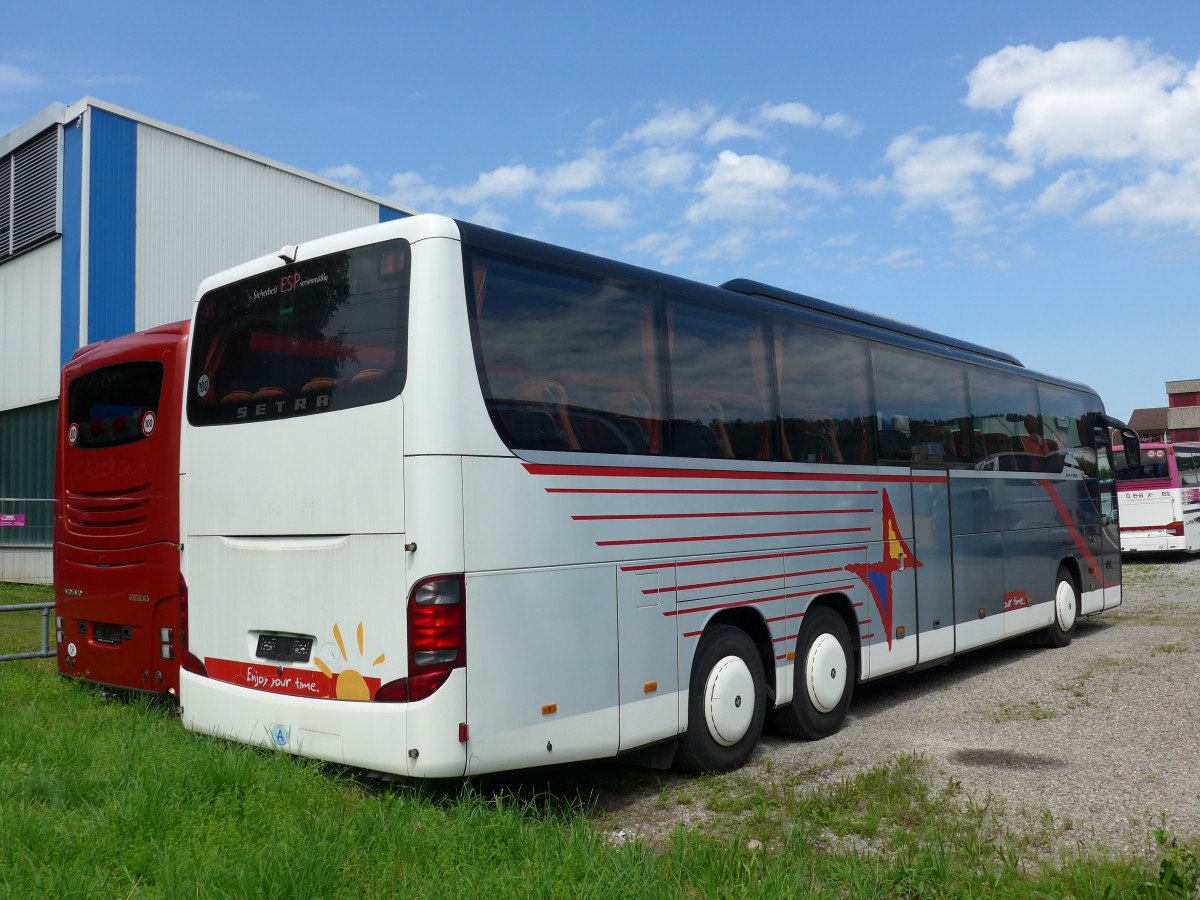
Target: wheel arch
750 620
842 605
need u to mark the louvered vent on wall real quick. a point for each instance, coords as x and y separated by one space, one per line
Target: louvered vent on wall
29 194
5 207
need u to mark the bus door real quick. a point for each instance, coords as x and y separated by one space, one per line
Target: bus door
647 656
1109 556
934 573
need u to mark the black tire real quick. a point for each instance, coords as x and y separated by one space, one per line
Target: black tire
825 671
726 703
1066 610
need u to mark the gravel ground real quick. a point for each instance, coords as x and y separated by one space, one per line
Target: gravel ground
1103 735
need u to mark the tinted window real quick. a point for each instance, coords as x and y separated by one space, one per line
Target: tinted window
1006 429
109 406
922 407
722 396
321 335
825 395
567 360
1069 428
1188 463
1154 465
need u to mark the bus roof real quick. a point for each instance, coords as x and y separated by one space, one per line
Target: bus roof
850 314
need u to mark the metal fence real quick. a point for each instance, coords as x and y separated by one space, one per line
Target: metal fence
47 649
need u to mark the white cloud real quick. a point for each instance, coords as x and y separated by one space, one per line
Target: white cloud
673 126
840 240
411 190
946 171
740 188
1065 195
668 249
1093 99
795 113
347 174
502 182
732 246
656 167
1165 199
580 174
14 78
609 213
901 258
728 128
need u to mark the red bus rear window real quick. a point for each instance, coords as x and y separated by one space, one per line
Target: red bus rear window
114 405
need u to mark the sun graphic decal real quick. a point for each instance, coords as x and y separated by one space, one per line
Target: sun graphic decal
877 576
349 684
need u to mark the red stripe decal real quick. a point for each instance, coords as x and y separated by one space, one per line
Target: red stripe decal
1080 543
631 517
737 559
734 474
712 492
728 537
733 603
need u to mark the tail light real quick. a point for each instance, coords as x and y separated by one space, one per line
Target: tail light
190 663
1175 529
437 638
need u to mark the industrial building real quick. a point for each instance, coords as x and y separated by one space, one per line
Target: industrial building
1175 423
108 222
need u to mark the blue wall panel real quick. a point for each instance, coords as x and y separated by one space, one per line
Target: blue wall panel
112 226
387 214
72 222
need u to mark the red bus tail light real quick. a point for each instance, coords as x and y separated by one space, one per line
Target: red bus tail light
1175 529
190 662
437 638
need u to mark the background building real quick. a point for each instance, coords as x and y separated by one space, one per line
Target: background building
1175 423
108 222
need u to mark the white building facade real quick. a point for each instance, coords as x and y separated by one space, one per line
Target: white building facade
108 222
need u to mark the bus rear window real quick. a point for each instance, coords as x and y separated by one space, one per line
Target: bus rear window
325 334
114 405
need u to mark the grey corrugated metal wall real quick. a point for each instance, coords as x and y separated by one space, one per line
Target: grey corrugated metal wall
27 473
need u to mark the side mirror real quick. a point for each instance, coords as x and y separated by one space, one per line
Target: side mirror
1131 443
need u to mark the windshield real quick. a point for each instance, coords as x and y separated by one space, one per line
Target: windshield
325 334
1154 465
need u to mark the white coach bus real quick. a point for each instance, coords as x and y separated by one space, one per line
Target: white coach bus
456 502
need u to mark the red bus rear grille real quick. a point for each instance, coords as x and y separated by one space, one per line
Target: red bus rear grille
110 511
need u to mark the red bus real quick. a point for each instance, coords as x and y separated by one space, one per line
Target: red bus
117 584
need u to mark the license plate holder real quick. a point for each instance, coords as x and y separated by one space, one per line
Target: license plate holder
284 647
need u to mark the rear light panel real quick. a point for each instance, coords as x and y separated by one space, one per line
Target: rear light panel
190 662
437 638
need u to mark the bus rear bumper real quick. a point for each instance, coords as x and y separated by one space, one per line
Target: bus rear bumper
419 740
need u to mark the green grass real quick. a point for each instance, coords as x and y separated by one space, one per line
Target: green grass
21 632
114 799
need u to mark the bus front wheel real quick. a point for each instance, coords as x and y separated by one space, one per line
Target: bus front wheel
726 703
1066 610
824 678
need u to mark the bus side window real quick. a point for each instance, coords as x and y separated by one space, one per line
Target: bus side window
825 396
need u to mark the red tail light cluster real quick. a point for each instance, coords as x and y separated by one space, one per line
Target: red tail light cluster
1175 529
437 638
190 663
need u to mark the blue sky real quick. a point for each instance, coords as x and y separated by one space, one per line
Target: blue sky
1022 175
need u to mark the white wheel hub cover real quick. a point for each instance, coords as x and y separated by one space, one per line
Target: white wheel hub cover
825 672
729 700
1064 605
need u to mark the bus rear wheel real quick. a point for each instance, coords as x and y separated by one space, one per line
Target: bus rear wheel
726 703
1066 610
824 676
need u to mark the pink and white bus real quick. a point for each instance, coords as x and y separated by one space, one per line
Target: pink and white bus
456 501
1159 497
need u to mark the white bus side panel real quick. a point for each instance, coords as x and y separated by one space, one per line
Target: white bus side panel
541 666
